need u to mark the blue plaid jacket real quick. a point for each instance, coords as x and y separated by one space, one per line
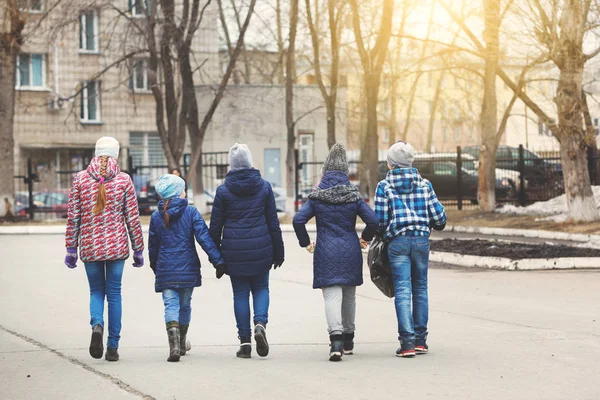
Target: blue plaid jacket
406 204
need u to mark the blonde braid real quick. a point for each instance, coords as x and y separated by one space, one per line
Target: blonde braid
101 198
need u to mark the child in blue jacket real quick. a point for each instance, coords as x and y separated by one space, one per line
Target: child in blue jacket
174 260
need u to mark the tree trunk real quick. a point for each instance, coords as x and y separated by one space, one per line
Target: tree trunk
330 121
489 118
393 111
573 149
7 115
289 102
409 107
434 107
280 48
370 152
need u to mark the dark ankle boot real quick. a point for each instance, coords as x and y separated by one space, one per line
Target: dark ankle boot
260 337
336 348
349 343
184 344
245 350
112 354
96 346
174 343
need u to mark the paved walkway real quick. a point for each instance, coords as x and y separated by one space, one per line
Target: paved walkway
494 335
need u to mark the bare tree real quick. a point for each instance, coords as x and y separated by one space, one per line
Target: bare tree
13 23
372 61
335 15
489 108
562 33
197 133
289 100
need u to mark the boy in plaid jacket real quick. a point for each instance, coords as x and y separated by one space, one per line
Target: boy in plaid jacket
408 208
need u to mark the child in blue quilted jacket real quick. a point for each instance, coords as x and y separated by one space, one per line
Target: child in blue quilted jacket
338 259
174 260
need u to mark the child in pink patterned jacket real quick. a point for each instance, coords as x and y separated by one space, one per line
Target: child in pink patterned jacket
103 208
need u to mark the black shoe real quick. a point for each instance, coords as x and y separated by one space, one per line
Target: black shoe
336 348
184 344
96 347
260 337
245 351
174 344
112 354
349 343
421 344
407 348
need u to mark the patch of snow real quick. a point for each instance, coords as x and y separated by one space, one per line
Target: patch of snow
554 209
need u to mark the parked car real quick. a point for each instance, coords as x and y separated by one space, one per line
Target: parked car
537 171
56 201
443 175
280 198
21 203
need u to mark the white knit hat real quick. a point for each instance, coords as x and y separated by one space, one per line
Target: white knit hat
401 155
240 157
107 146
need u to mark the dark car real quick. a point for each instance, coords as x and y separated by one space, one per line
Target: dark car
537 170
443 175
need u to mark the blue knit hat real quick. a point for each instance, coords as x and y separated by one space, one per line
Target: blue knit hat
169 186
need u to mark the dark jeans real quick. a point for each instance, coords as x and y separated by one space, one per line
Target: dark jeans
242 287
105 278
409 260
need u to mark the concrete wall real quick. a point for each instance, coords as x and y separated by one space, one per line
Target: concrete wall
255 115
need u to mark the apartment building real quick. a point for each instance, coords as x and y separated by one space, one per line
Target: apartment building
79 77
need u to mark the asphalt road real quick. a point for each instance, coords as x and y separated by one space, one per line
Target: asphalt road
493 335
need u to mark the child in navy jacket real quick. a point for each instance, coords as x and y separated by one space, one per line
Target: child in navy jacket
174 260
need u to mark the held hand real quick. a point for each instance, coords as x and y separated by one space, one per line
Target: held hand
311 248
138 259
364 244
220 271
277 264
71 257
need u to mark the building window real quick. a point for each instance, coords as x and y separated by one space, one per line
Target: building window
31 5
146 149
596 126
457 132
386 134
31 71
306 156
139 78
90 102
88 32
139 8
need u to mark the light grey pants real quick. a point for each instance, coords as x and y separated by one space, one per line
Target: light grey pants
340 308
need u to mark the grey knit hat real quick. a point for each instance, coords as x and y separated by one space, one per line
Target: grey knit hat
336 159
401 155
240 157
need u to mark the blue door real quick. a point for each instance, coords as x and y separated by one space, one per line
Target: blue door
273 166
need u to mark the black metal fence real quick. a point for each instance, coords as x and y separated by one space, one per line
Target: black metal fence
47 199
522 177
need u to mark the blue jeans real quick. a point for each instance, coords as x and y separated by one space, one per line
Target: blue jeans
409 260
178 305
105 278
242 286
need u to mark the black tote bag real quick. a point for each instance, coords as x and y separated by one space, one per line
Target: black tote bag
379 266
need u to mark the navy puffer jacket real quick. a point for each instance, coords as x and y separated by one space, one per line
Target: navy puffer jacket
244 224
338 258
173 255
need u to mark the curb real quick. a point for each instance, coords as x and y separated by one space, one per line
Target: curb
506 264
529 233
60 229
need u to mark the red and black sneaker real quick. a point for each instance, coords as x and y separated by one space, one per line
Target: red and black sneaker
422 349
407 348
421 344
